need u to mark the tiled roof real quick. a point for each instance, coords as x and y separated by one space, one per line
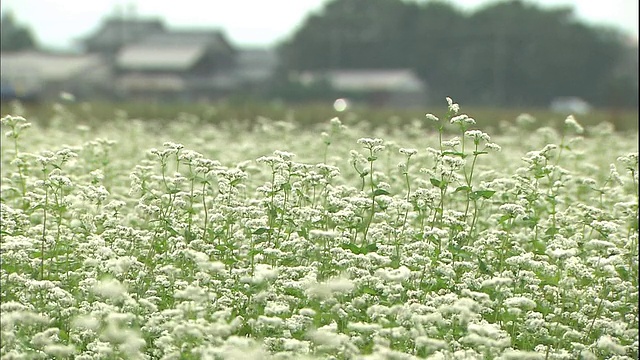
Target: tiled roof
50 67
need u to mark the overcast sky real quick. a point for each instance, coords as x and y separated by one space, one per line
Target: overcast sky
56 23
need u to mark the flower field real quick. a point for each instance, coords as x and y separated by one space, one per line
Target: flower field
425 240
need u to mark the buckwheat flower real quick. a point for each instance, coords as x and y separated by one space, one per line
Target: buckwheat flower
488 330
59 350
513 210
60 181
364 328
604 226
284 155
571 123
496 281
110 288
453 142
264 272
559 254
511 354
408 152
477 135
459 119
615 176
453 163
525 119
335 122
520 302
194 293
548 148
432 117
45 337
453 107
173 146
599 244
276 308
429 343
609 345
493 146
630 160
10 120
335 285
394 275
375 145
307 312
323 234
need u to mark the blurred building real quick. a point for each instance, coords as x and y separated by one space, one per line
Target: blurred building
36 75
382 87
185 65
132 58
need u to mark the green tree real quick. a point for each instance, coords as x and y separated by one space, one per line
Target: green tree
524 55
14 37
354 34
508 53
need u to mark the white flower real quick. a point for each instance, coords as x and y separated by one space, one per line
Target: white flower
571 122
432 117
458 119
408 152
453 107
607 344
110 288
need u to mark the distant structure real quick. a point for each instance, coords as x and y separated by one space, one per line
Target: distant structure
377 87
117 32
34 75
133 58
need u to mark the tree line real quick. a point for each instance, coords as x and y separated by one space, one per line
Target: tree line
510 53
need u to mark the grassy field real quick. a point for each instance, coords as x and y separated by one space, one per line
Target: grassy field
311 114
295 234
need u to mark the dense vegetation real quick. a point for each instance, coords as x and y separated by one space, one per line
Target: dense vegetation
507 53
235 240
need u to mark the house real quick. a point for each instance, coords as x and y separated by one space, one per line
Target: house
34 75
255 68
176 65
377 87
117 32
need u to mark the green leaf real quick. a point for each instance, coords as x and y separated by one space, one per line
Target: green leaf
260 231
454 153
487 194
235 182
372 158
462 188
254 252
379 191
369 290
483 267
303 232
551 231
440 184
539 247
370 248
624 274
504 218
480 152
353 247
